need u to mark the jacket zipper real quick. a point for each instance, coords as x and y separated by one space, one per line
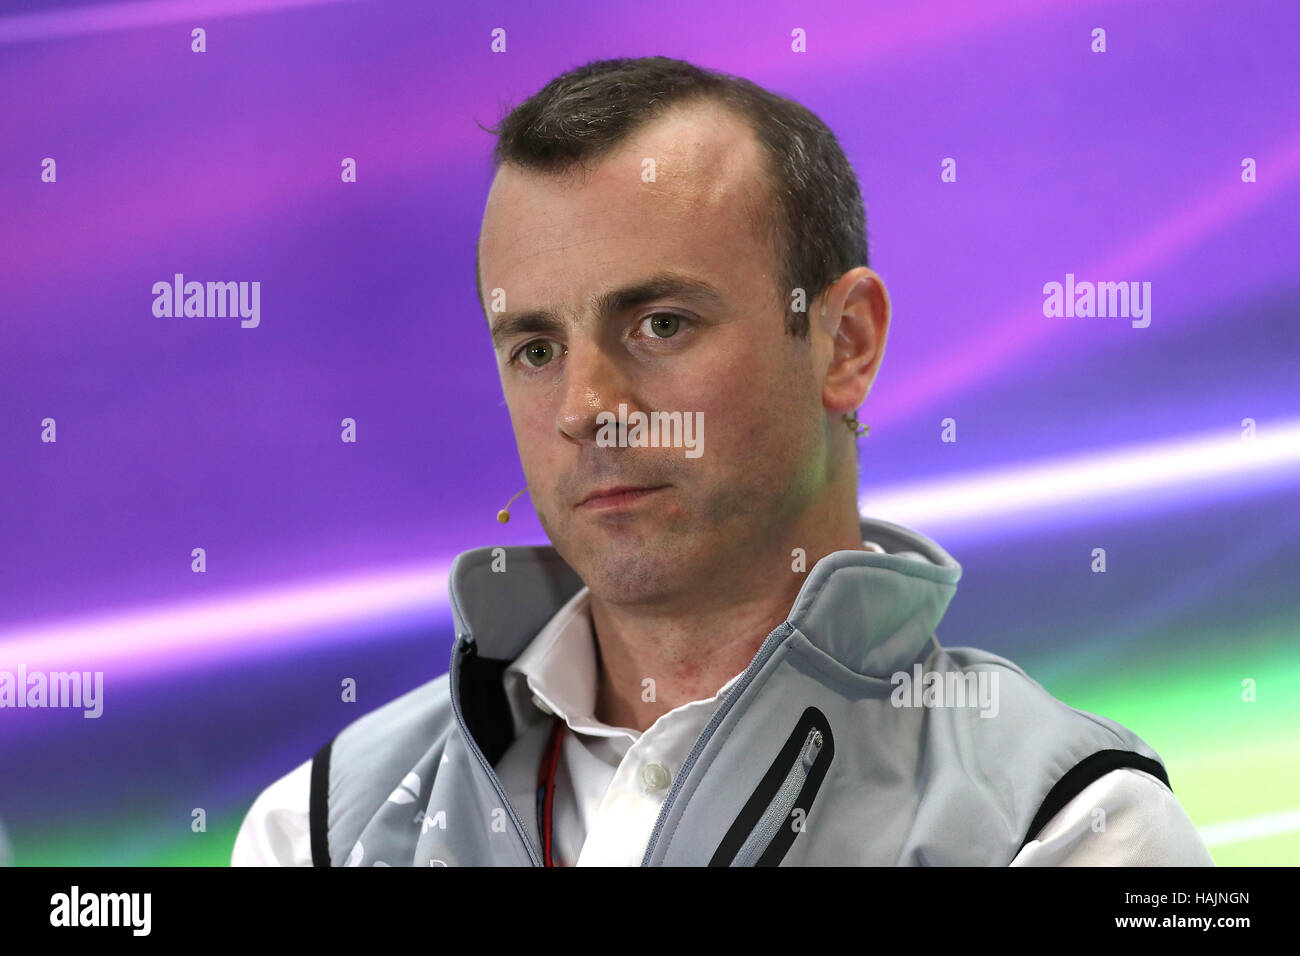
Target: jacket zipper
769 647
764 830
465 647
770 644
778 813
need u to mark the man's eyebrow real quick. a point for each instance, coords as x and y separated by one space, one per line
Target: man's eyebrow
662 285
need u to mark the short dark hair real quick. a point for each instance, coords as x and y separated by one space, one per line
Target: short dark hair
820 229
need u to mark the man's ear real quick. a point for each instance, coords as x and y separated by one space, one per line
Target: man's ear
855 320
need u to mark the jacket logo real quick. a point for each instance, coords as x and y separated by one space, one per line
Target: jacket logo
430 820
407 791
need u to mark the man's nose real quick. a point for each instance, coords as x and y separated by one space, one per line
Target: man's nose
593 383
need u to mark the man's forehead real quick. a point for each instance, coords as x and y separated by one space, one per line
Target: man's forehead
693 172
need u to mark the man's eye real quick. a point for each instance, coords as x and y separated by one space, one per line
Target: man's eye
536 354
662 325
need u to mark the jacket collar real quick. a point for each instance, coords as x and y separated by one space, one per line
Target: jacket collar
874 613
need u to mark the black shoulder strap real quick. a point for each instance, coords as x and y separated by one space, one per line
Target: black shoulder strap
318 807
1086 771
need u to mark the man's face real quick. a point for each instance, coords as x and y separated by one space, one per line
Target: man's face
555 244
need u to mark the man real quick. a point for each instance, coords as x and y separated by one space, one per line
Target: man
719 661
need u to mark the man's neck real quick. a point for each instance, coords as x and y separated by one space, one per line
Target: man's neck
652 661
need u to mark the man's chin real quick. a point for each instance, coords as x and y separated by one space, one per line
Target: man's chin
627 565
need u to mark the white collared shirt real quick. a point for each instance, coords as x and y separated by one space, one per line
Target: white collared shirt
612 781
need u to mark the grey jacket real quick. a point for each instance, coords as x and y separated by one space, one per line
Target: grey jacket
852 738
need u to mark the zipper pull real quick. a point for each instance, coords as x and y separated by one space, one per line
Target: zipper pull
812 747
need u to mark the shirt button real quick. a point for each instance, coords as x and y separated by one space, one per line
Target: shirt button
655 777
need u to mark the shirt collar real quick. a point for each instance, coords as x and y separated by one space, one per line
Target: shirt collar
558 666
557 671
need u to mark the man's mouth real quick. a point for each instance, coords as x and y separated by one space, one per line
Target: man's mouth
617 496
